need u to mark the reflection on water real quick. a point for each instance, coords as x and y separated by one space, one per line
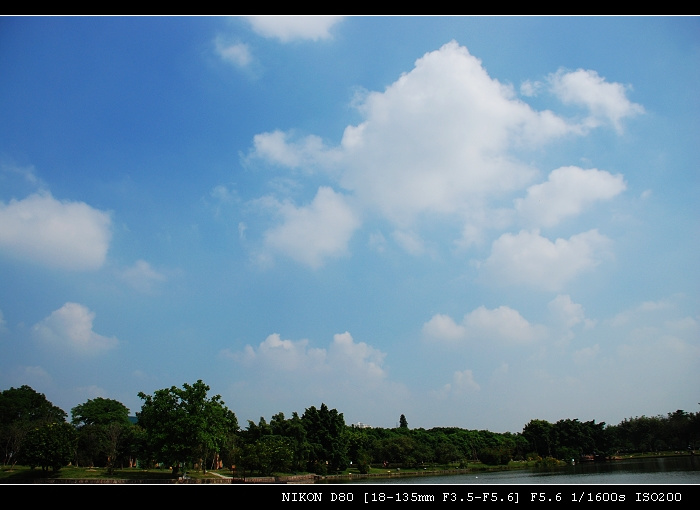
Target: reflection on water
662 470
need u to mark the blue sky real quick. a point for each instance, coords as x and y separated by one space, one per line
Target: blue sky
472 221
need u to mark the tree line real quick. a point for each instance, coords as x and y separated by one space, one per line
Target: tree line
182 428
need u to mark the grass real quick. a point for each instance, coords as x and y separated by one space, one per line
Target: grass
23 474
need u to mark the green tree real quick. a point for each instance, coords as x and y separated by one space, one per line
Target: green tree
51 445
22 410
327 438
100 411
182 425
403 424
102 431
541 436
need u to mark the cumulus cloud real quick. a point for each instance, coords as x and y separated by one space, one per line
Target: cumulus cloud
234 53
290 28
527 258
641 312
279 148
142 277
502 324
350 363
586 355
314 232
443 327
605 101
438 138
463 383
565 311
62 234
566 314
70 327
445 141
291 374
409 241
567 191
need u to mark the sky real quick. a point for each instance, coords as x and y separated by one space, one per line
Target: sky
471 221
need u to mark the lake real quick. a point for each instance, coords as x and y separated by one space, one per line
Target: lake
661 470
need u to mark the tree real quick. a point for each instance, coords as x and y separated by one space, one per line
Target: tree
541 436
102 424
327 438
403 424
100 411
182 425
22 410
51 445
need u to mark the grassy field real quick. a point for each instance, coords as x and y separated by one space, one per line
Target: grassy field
23 474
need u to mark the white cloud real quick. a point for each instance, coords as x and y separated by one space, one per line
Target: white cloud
63 234
70 327
565 315
437 139
527 258
586 355
27 173
605 101
277 148
356 360
315 232
565 311
566 193
463 383
443 327
142 277
237 53
502 324
641 312
289 28
276 354
409 241
441 143
345 372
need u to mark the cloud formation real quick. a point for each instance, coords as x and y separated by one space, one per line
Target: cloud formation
605 101
312 233
528 258
567 192
70 327
291 28
62 234
502 325
444 141
346 374
142 277
235 53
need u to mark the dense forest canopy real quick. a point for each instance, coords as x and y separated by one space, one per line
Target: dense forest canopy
185 428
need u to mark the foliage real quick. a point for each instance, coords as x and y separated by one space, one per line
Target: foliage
103 432
540 435
184 426
100 411
328 440
51 445
495 456
21 410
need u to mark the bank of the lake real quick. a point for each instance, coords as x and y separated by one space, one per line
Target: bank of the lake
639 470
